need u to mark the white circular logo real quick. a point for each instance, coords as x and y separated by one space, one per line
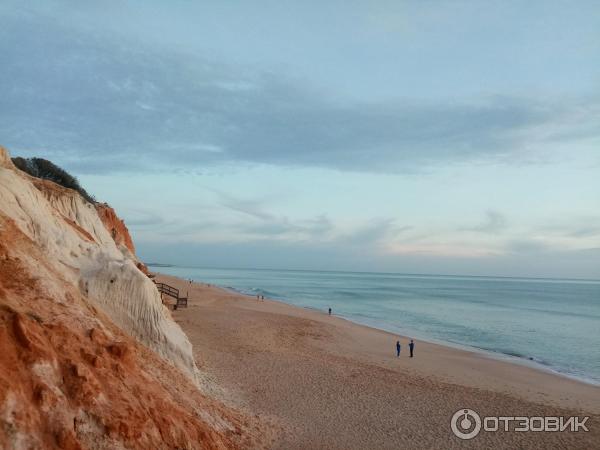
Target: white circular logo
465 424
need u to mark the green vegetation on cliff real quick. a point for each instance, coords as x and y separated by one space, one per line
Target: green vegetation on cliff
47 170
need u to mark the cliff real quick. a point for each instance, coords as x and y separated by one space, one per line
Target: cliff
116 226
89 356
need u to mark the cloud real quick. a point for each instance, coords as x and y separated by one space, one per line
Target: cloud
144 219
252 221
315 229
96 103
270 253
494 222
318 228
528 246
584 232
379 231
252 208
577 227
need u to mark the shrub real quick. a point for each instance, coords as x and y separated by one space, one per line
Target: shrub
46 170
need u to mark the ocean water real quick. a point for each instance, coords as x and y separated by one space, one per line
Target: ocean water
551 323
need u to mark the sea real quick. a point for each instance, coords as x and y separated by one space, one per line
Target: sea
552 324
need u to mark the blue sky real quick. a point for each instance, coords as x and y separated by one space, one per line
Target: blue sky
433 137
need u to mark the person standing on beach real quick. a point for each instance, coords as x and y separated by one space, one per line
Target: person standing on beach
398 347
329 311
411 347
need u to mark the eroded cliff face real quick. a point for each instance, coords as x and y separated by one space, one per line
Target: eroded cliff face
118 230
116 227
89 356
94 257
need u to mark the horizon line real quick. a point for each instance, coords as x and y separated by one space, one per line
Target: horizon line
159 264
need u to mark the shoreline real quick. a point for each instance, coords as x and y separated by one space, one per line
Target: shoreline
472 353
481 352
320 381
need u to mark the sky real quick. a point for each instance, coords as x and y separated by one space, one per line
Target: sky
440 137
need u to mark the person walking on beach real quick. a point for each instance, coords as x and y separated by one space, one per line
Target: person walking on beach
329 311
398 347
411 347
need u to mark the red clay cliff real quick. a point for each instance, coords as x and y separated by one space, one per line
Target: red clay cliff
71 377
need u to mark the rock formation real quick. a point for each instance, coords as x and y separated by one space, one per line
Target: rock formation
89 356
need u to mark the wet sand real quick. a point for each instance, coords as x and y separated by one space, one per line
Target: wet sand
323 382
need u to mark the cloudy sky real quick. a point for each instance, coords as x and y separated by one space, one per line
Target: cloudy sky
454 137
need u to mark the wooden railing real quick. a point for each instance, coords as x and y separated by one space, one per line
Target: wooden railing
164 288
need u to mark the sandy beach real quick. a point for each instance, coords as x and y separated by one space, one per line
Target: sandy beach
319 381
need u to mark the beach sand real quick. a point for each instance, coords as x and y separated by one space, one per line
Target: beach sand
320 381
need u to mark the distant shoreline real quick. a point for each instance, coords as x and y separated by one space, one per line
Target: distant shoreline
492 354
400 274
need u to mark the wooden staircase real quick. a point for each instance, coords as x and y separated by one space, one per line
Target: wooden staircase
165 289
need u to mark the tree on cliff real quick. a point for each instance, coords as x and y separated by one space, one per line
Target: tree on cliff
47 170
